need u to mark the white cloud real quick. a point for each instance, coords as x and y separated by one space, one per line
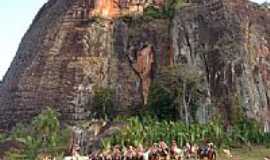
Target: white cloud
260 1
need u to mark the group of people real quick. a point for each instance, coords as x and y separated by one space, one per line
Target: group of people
158 151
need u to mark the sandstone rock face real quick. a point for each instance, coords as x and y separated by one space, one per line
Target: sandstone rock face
61 58
106 8
143 67
68 51
115 8
229 41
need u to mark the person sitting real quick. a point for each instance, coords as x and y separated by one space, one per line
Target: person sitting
94 156
130 154
211 151
107 156
191 150
153 152
147 154
100 156
140 152
163 150
175 152
116 155
207 150
75 154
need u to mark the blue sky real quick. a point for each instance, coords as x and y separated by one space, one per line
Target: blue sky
16 16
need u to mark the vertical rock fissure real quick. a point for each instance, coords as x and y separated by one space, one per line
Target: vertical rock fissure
138 75
189 46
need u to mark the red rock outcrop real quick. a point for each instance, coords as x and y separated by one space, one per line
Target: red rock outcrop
116 8
106 8
144 66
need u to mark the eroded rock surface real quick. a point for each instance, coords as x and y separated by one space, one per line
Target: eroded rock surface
229 41
75 45
64 54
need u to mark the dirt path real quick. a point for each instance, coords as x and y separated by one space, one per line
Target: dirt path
256 153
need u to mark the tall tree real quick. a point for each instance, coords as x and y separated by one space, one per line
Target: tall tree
182 84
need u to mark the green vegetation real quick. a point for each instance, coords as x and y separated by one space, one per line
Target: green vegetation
2 137
43 137
254 153
146 130
237 112
166 11
175 94
103 103
173 101
153 12
174 98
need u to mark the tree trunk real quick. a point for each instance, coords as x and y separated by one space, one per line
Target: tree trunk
179 108
266 127
185 104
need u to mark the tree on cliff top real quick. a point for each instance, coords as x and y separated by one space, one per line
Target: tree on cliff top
166 11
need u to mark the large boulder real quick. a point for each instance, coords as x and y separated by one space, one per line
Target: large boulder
74 46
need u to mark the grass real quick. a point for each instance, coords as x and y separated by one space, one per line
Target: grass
256 153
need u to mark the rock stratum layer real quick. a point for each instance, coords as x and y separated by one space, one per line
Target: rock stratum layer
68 51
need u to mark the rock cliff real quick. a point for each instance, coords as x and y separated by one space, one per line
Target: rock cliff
75 45
229 42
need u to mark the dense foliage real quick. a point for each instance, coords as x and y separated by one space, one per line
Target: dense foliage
175 93
147 130
173 101
166 11
43 136
103 103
